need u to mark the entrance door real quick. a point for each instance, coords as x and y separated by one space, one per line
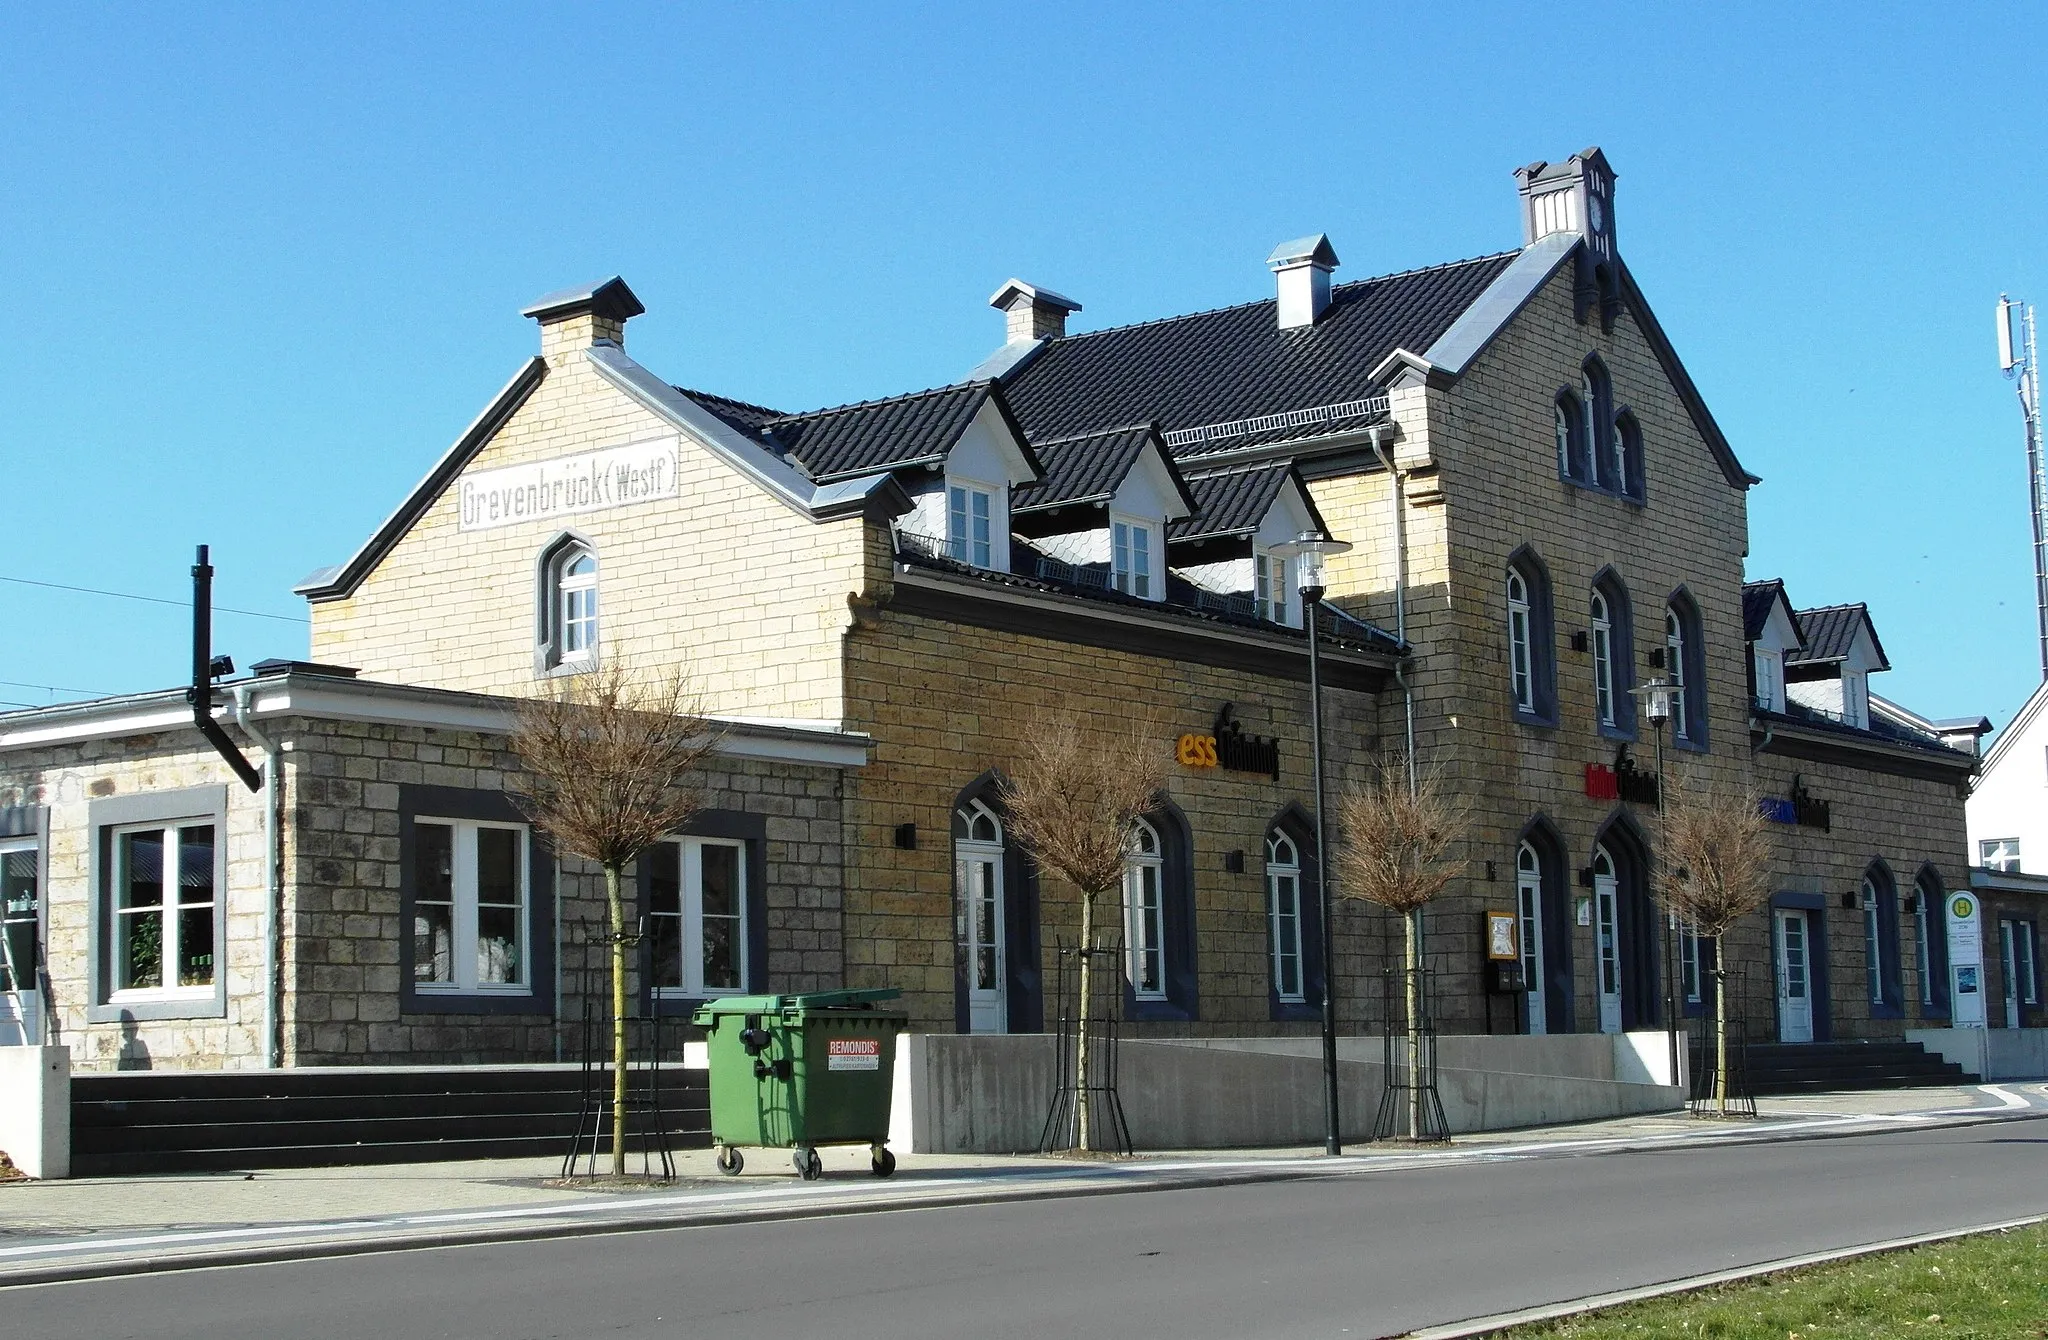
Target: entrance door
2016 958
978 873
1607 941
1795 977
1529 905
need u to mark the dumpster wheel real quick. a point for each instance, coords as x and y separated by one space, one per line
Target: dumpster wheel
808 1165
882 1161
729 1161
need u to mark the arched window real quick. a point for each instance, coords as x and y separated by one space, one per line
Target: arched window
568 604
1880 908
1532 671
1569 421
1628 446
1613 656
1284 913
978 861
1520 667
1145 913
1603 660
1598 412
1529 912
1684 666
1930 935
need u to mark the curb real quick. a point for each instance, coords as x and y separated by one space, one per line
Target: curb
540 1228
1485 1326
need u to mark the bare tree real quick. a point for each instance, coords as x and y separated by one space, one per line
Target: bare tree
1715 870
1398 832
1074 801
612 760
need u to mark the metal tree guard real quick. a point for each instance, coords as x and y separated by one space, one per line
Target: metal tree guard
649 1128
1103 1015
1409 1074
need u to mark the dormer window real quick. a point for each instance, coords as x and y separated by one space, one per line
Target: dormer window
1133 562
1269 576
1770 678
970 531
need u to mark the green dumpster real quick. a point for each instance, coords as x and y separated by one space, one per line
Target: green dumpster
796 1072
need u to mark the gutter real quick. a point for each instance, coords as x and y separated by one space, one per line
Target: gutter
273 873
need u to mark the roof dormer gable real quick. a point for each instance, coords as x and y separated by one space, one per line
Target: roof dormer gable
1124 472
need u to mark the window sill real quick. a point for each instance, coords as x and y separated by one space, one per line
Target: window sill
1295 1012
1156 1011
137 1007
1691 746
1523 717
1603 491
455 1000
1620 734
574 665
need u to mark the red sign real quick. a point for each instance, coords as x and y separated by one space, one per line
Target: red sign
1601 783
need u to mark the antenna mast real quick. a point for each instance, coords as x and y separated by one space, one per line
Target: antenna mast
2019 360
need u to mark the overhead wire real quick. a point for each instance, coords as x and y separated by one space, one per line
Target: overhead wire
151 600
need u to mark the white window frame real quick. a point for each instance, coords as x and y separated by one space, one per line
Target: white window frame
690 915
985 854
165 911
1691 976
1132 540
1999 854
1923 950
463 912
1270 587
1562 425
971 536
1674 672
1521 657
1770 678
1529 917
1283 871
8 917
1603 659
1589 413
1873 940
1145 928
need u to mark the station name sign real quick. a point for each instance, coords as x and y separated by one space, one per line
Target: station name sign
594 481
1227 746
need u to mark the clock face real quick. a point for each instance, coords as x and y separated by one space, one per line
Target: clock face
1596 214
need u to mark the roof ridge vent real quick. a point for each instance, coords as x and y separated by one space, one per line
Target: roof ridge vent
1303 270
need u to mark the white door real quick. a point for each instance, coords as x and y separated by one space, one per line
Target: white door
1795 978
1607 942
1529 904
978 872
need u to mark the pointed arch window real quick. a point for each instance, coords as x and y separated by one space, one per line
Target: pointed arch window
1145 913
1284 912
1569 423
1880 907
1684 666
1628 449
1603 660
568 604
1596 393
1931 943
1532 671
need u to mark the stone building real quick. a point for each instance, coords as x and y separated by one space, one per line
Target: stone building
382 898
1544 515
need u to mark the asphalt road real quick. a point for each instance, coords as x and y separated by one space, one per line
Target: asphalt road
1357 1255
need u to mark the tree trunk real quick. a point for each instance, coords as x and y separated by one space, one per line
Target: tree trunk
1081 1024
1411 926
1720 1038
618 923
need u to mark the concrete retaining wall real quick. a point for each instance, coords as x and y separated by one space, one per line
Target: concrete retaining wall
1990 1053
989 1094
35 1109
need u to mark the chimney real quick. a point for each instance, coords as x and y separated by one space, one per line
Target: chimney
573 319
1303 268
1031 313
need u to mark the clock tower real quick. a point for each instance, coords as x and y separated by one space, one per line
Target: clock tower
1577 197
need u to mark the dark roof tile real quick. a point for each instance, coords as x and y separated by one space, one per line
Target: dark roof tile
1235 363
1830 632
1231 502
874 435
1083 469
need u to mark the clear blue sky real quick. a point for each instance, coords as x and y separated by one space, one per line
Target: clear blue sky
262 263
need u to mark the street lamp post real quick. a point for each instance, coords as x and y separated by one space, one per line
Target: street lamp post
1308 552
1656 699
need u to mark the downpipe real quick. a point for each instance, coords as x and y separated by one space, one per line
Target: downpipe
273 873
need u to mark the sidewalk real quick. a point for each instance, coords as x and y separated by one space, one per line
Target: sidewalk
101 1226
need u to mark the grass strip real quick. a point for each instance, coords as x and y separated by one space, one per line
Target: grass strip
1990 1287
